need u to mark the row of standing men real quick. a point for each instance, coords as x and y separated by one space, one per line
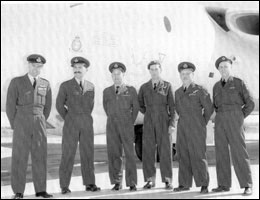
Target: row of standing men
29 103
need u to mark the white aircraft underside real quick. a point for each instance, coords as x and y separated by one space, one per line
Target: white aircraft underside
133 33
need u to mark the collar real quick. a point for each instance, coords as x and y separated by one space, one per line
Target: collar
32 78
119 85
188 86
156 82
78 80
230 78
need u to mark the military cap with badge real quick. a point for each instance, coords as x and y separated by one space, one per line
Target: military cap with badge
222 59
186 65
117 65
36 58
80 60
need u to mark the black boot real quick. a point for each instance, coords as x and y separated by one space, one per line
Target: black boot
65 190
117 187
133 188
168 186
221 189
149 185
44 195
18 196
248 191
92 188
181 188
204 190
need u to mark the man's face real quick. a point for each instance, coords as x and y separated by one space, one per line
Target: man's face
225 69
79 70
155 71
117 76
35 69
187 76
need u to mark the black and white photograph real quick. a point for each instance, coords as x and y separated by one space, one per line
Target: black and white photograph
130 99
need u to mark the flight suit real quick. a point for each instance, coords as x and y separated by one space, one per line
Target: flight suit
27 110
75 107
194 108
121 109
232 104
158 108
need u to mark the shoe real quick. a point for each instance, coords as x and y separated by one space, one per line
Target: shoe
149 185
133 188
168 186
18 196
92 188
221 189
65 190
204 190
248 191
44 195
181 188
117 187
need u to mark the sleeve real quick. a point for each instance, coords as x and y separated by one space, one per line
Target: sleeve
214 100
12 96
171 106
206 104
135 105
105 102
176 103
48 103
92 100
141 100
61 102
249 104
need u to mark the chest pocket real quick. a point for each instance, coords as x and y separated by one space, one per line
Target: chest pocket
75 97
89 94
126 101
194 99
26 98
42 91
41 94
233 93
88 99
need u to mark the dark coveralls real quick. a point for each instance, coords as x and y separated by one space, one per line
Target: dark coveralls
159 111
75 107
27 110
232 104
121 110
194 108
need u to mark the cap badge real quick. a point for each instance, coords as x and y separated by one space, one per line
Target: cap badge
38 60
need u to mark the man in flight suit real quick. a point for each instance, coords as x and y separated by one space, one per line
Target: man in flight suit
28 106
233 103
194 108
121 106
157 104
75 102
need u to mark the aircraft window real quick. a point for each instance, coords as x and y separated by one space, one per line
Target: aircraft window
248 24
167 24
